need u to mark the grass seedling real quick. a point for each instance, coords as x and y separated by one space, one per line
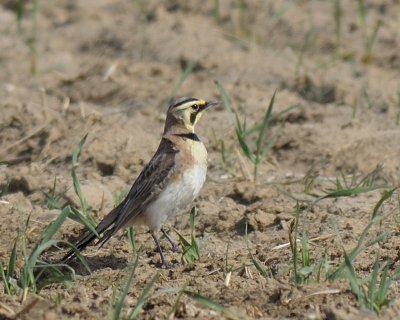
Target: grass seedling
337 17
369 40
32 41
54 197
33 37
190 249
34 268
301 273
7 275
116 307
255 153
385 196
398 107
309 181
259 266
83 215
304 269
243 7
75 180
201 299
217 14
354 107
345 187
229 269
371 291
132 239
362 243
142 298
209 303
20 10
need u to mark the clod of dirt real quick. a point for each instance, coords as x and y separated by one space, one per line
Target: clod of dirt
220 217
16 184
247 192
106 166
259 218
306 87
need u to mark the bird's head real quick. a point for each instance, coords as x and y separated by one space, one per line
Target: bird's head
186 112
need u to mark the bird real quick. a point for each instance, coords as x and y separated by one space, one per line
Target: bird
167 184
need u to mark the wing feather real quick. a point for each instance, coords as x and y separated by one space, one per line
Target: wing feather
145 190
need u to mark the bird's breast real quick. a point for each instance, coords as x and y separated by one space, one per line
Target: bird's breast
184 184
176 196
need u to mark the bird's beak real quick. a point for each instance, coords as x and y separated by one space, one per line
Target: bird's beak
209 104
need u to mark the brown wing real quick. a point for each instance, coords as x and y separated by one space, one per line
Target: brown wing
145 189
148 185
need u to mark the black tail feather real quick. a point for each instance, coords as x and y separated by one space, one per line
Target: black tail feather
107 224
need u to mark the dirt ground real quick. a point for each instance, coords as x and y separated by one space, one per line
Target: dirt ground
108 68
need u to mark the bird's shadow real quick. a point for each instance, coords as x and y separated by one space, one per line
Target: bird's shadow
98 263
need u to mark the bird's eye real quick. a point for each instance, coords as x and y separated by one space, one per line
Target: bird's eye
195 107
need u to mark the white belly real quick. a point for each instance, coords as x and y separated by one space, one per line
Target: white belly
175 198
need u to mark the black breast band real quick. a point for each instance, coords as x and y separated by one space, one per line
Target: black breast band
191 136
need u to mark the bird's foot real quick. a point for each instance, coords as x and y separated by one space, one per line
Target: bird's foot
174 245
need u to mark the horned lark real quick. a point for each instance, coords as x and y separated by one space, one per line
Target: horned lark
168 183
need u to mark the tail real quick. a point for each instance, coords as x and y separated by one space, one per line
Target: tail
107 225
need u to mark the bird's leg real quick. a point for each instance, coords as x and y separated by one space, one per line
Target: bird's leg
175 246
163 260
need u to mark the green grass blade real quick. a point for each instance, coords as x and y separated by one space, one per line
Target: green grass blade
117 310
28 277
182 240
190 250
142 298
228 105
75 180
357 249
132 239
77 216
225 98
260 268
349 192
245 147
20 11
264 125
384 285
55 225
337 16
385 196
295 254
209 303
352 277
373 282
380 237
305 252
196 250
12 261
77 253
5 279
176 303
